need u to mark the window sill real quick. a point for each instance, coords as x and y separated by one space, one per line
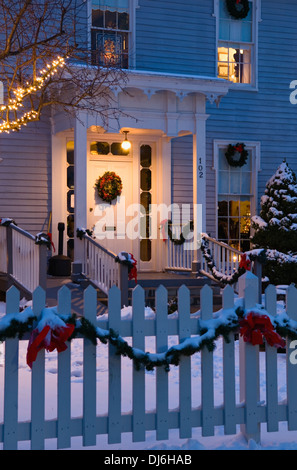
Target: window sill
243 87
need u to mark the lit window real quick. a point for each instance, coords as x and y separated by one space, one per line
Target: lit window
110 32
234 203
236 46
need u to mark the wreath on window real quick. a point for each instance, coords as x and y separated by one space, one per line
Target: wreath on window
239 9
109 186
236 149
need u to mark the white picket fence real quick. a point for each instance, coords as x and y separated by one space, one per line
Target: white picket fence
248 412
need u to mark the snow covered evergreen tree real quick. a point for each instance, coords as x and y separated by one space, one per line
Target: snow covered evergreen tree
276 227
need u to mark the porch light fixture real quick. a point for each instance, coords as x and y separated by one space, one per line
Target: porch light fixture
126 144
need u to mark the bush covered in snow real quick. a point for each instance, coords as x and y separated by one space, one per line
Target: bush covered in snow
276 227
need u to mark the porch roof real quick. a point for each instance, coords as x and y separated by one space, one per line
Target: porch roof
181 85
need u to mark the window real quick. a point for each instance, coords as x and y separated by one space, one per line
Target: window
234 202
236 46
110 32
104 148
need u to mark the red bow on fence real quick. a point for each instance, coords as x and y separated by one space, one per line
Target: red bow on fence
245 262
49 339
255 327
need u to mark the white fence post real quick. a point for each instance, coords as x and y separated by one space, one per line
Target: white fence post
271 367
291 303
64 378
89 372
114 365
138 399
185 392
249 364
38 383
207 394
10 438
161 374
229 370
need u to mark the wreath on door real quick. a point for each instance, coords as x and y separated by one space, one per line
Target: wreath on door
239 9
236 149
109 186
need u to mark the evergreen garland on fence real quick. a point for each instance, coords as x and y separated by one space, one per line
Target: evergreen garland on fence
208 333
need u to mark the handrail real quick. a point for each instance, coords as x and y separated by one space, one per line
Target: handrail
101 268
224 245
225 257
24 262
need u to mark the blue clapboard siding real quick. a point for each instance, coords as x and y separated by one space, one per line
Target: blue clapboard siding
176 37
25 176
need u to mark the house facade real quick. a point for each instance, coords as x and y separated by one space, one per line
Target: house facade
197 79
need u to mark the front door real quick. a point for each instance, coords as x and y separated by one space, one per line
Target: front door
108 219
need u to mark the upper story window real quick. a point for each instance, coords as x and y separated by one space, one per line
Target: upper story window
110 32
236 46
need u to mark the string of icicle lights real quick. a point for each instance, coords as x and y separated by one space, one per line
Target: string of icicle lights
21 92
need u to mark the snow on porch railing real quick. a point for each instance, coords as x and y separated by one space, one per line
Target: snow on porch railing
22 259
175 401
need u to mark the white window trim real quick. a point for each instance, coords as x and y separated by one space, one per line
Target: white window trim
253 146
256 19
133 4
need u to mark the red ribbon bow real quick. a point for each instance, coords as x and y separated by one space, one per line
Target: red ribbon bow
255 327
48 339
239 148
133 268
245 262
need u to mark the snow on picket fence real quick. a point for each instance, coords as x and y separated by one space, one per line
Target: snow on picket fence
248 413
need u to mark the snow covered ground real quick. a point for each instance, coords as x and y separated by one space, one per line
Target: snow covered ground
280 440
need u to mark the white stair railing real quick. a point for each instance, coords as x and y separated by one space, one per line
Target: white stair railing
179 256
101 268
24 262
226 259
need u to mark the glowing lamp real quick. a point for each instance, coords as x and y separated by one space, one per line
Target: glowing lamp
126 144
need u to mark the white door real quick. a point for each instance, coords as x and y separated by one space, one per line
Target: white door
110 220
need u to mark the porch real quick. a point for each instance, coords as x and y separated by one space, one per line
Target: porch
154 109
24 263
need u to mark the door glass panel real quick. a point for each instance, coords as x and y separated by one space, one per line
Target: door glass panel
145 250
145 180
70 198
145 201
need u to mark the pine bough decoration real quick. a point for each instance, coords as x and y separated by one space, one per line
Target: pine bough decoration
52 330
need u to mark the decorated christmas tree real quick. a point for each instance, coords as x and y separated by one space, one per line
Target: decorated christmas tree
276 227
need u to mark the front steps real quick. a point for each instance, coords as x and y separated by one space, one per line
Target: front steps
172 282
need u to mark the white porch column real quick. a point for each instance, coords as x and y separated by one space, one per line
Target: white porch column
199 177
80 189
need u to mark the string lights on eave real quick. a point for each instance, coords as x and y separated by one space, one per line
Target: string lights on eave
21 92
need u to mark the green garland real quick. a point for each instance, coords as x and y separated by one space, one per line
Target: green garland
209 332
80 232
239 9
187 229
